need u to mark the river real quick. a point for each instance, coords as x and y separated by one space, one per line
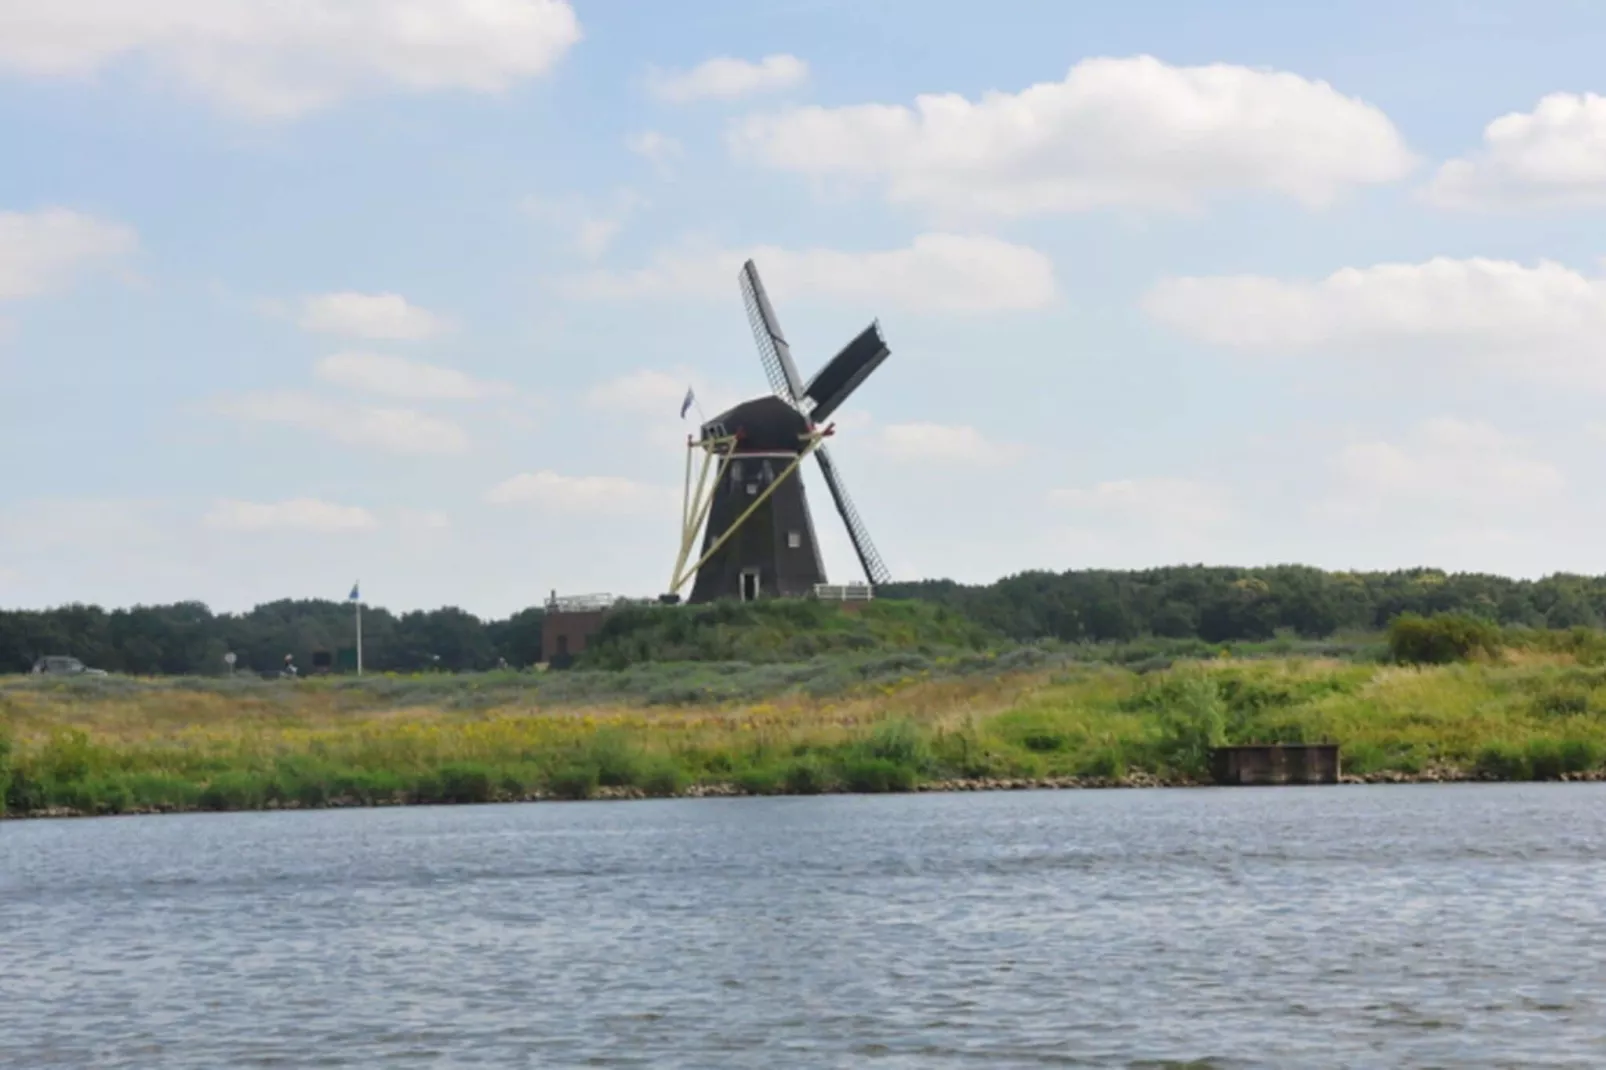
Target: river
1380 926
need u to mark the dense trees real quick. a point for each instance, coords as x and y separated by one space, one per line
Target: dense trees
188 638
1214 604
1218 604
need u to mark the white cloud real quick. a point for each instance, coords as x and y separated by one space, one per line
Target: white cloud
1554 155
1541 321
938 273
379 373
1116 132
659 149
424 520
299 514
592 227
75 524
376 317
578 494
944 443
1163 501
279 60
725 78
1443 462
46 250
392 430
646 390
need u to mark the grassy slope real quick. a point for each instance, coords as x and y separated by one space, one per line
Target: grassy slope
108 746
788 630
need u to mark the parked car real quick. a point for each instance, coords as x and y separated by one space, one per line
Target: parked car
61 665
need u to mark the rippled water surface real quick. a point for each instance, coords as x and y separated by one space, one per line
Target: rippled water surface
1448 926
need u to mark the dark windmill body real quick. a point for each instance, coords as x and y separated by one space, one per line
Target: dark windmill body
758 538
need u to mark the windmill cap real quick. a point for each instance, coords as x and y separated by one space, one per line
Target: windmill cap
763 425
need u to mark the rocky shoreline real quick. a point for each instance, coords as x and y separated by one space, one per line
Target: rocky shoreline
1436 775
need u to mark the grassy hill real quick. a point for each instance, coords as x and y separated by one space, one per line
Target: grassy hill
788 630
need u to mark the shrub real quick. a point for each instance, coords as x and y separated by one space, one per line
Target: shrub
804 777
368 786
898 742
617 761
1580 755
233 791
464 783
874 775
1548 759
1441 639
1045 741
577 781
1106 762
762 781
1501 761
1192 720
161 791
663 778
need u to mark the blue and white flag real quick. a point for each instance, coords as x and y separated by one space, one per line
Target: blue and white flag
352 597
684 405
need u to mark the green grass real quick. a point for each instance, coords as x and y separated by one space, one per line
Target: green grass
883 723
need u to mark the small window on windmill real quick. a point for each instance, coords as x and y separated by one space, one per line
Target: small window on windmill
736 471
766 473
752 488
794 540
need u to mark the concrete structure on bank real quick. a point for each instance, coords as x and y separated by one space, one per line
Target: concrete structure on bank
1276 763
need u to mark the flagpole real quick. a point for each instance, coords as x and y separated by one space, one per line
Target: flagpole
359 636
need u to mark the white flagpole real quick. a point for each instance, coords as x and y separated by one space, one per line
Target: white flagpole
359 636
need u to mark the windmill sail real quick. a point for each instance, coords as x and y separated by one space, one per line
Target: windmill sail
833 383
773 351
875 570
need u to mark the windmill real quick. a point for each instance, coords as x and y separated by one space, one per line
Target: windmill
759 536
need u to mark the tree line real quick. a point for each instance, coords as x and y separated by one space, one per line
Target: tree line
187 638
1210 603
1220 604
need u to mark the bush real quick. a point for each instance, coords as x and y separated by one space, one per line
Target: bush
1044 741
804 777
899 742
578 781
617 761
464 783
1441 639
663 778
233 791
160 791
764 781
1192 719
875 775
1549 759
1501 761
1106 762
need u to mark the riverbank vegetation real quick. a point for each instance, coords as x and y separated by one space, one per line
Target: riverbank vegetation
1502 704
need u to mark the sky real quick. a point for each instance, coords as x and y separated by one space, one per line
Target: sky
408 292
